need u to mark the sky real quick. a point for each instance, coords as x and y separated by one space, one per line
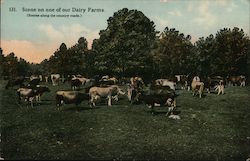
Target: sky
36 28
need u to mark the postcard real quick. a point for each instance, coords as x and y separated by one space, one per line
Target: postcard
125 80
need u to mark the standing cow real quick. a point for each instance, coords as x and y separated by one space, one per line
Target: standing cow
55 78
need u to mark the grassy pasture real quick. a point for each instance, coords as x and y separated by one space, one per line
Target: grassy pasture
211 128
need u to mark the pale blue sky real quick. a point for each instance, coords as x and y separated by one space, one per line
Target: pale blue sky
36 38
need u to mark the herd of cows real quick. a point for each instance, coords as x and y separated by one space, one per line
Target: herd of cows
160 92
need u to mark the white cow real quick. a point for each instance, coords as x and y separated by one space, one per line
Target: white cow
55 79
165 82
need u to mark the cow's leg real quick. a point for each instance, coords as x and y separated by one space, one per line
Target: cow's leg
92 101
208 90
170 110
109 100
200 93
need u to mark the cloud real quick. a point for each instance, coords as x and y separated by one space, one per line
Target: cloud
161 23
175 13
228 5
69 34
205 18
51 32
190 7
164 1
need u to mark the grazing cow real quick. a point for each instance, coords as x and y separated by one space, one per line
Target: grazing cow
83 80
14 82
34 82
215 82
237 80
220 87
104 92
34 77
41 78
131 93
70 97
162 99
39 90
108 80
137 83
55 79
28 94
75 83
182 80
46 79
197 86
165 82
104 78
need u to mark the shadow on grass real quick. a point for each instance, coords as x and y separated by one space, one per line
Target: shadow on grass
79 108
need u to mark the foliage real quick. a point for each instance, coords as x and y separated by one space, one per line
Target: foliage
173 53
124 46
68 60
225 54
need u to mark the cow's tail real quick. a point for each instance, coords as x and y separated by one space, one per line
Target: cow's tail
58 100
19 96
201 88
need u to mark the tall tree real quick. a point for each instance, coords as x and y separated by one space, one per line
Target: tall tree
173 53
124 46
232 49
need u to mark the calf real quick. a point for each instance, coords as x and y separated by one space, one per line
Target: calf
70 97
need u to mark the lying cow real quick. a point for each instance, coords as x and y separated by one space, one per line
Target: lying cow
70 97
97 93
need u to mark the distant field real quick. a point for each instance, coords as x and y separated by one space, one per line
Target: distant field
211 128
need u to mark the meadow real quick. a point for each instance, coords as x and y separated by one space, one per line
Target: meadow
211 128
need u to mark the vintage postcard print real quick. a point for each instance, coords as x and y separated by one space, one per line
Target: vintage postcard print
125 80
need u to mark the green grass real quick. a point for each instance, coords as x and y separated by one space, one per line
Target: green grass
211 128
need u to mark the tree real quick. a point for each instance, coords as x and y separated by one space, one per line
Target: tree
173 53
124 46
71 60
232 49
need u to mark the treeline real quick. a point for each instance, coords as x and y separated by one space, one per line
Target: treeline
130 45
